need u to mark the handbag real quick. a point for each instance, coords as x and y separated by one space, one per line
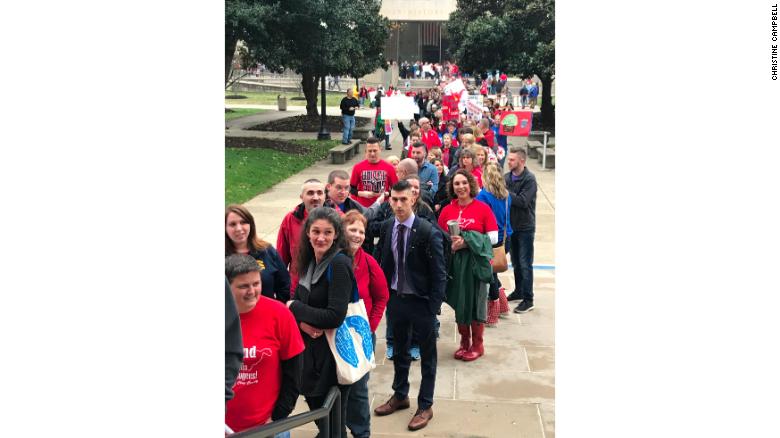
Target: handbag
351 343
500 263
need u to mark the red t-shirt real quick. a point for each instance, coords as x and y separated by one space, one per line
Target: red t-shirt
476 216
477 173
270 335
490 138
377 178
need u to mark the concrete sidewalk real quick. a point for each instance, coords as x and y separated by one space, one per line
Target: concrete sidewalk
510 392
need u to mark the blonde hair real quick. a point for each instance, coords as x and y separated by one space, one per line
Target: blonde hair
477 149
493 182
468 140
436 152
392 158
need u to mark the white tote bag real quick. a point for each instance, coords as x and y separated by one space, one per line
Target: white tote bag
351 344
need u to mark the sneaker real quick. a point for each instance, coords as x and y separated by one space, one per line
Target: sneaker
514 296
525 306
390 352
415 353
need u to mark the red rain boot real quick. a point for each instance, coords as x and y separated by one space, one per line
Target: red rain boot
492 313
503 303
465 340
477 348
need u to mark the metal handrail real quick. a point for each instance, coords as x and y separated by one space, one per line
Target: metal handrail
544 146
330 411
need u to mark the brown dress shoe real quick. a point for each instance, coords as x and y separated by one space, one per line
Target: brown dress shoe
421 419
391 406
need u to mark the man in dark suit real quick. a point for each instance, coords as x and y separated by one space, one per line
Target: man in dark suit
410 252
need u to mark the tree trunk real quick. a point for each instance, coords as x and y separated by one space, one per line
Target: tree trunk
547 108
309 86
230 50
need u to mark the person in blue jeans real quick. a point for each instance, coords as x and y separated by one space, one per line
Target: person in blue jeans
522 217
348 106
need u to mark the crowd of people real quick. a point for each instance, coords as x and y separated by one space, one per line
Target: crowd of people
410 233
427 70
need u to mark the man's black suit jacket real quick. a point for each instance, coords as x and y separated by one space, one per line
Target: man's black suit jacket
425 269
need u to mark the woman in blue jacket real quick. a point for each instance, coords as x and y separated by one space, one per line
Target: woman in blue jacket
495 194
241 238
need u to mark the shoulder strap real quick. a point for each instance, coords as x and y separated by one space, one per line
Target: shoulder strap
506 216
329 275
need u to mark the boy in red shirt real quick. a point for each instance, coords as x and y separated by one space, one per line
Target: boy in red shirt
267 384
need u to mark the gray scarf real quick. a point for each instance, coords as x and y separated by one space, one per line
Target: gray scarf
315 270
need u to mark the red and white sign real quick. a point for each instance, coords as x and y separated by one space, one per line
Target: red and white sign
449 107
454 87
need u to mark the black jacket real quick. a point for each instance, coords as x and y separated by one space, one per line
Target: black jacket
234 345
522 214
325 307
425 268
346 104
441 198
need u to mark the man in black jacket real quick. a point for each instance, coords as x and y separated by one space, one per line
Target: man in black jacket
348 106
234 346
411 255
522 184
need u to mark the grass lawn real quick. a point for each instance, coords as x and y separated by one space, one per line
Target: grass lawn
269 98
241 112
249 172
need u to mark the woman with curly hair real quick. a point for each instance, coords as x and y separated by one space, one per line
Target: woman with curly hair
470 267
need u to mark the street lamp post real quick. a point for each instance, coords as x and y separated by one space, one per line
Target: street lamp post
324 134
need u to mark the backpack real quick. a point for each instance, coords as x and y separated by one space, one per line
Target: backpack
446 242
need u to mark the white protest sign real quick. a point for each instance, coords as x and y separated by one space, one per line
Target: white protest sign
464 95
397 107
454 87
371 95
474 107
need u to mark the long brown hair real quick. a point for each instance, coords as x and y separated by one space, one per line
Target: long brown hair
253 242
305 250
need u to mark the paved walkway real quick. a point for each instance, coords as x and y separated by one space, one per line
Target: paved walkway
510 392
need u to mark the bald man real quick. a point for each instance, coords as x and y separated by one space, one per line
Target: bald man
312 196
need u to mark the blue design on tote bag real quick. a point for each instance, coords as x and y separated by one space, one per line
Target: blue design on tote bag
343 338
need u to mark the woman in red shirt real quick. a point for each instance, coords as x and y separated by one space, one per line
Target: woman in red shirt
372 287
468 160
267 385
471 215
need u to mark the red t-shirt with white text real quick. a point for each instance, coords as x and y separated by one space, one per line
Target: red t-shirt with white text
377 178
476 216
270 335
